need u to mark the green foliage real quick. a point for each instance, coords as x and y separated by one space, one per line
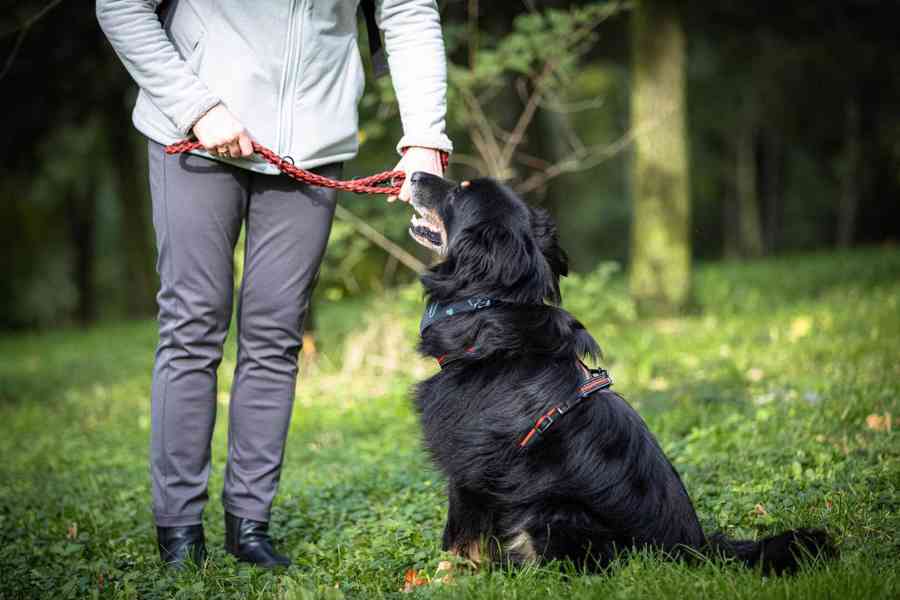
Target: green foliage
598 296
763 400
41 290
595 215
556 36
560 37
68 121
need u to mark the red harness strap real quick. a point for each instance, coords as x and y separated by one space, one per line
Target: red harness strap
597 379
445 359
594 380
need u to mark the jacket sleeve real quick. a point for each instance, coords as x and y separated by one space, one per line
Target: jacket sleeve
148 54
415 49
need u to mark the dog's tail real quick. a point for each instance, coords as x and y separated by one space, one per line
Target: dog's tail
778 554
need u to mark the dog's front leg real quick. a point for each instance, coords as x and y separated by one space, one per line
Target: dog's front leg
467 524
452 527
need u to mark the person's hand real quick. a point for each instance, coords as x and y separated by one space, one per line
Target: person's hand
221 133
415 159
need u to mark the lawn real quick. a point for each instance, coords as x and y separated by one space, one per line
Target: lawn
773 398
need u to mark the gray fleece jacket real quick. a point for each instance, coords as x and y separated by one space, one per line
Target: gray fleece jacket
289 70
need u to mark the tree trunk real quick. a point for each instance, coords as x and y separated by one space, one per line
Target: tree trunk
773 188
660 242
749 229
136 238
851 176
81 218
731 249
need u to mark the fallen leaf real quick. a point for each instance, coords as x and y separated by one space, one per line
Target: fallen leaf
309 347
800 327
411 580
828 504
760 511
879 422
668 326
444 572
755 374
72 532
658 384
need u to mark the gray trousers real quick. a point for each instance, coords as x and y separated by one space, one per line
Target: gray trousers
198 208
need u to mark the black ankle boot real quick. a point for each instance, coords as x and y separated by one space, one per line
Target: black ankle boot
249 541
178 545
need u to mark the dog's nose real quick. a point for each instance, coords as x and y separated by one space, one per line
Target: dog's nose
417 176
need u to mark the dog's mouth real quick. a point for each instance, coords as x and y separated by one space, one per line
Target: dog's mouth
427 228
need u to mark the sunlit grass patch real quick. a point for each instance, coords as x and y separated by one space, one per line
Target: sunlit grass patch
777 399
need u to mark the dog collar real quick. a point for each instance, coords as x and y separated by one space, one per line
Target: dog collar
435 311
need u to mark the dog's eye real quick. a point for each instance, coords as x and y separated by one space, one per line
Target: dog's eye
459 189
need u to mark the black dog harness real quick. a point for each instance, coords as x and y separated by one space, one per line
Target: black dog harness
594 379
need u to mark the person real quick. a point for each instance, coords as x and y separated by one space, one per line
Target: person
286 74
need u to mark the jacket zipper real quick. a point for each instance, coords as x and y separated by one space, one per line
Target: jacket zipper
285 76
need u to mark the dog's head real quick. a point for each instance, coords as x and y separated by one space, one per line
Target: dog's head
492 242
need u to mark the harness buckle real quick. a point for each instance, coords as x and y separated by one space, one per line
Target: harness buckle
478 303
598 379
544 425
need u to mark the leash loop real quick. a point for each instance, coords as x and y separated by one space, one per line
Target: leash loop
373 184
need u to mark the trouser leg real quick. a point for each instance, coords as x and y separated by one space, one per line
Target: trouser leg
198 206
288 224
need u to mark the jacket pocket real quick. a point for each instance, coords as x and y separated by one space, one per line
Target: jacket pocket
185 28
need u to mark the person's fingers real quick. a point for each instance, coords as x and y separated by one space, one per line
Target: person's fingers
246 144
398 167
211 145
405 194
213 141
234 148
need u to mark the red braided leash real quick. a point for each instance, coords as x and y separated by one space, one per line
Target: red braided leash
373 184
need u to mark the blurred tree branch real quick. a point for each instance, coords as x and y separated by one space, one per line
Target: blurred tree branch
537 58
23 29
377 238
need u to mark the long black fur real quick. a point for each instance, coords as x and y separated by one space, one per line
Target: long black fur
597 483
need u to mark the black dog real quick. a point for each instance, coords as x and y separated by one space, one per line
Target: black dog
588 479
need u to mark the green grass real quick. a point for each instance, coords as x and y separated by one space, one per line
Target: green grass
761 397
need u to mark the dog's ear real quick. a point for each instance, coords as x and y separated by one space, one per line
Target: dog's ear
545 234
584 343
543 228
491 259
